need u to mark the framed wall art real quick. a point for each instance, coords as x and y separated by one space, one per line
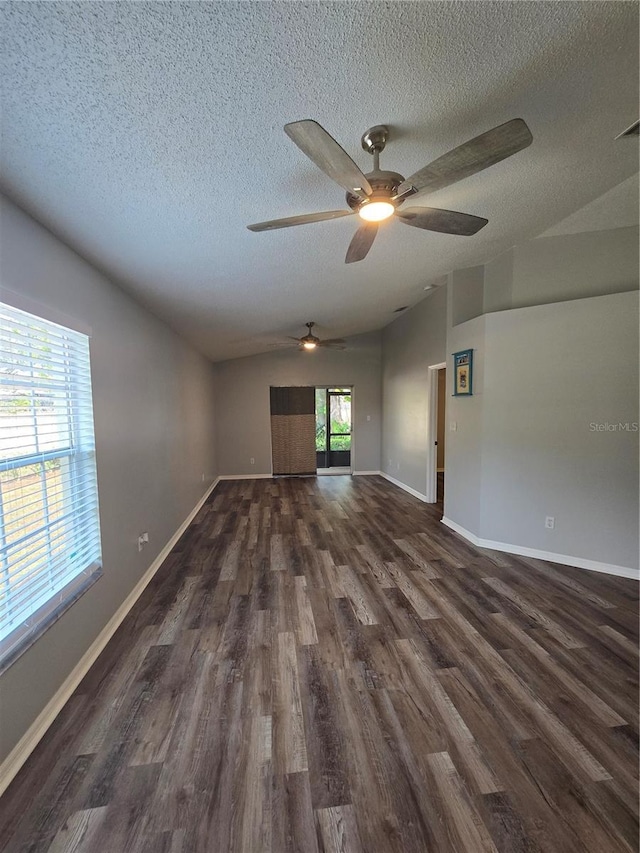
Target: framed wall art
463 373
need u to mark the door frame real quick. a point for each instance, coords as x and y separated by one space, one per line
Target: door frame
432 431
352 388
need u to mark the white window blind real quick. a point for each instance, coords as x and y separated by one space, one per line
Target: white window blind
49 525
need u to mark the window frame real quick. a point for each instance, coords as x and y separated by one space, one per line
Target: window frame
79 487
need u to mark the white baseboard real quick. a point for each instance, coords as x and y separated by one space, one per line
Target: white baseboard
270 476
523 551
245 477
403 486
28 742
457 528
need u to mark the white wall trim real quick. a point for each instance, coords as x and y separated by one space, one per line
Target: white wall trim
245 477
466 534
36 731
270 476
523 551
404 487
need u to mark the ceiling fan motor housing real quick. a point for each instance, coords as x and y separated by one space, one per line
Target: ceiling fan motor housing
309 338
383 184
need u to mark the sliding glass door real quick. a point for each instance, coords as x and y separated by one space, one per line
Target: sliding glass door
333 427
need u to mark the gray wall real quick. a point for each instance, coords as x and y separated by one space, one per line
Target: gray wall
525 447
568 266
154 425
553 355
498 283
550 372
243 426
466 293
558 351
410 344
463 453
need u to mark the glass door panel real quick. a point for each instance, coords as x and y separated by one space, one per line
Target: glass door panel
321 428
333 427
339 408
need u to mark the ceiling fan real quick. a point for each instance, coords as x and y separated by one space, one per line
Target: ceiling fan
380 194
311 341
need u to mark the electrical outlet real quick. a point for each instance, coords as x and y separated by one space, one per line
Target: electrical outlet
142 540
203 476
453 426
550 522
252 460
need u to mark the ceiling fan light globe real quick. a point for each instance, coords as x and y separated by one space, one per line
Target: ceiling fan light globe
376 211
309 345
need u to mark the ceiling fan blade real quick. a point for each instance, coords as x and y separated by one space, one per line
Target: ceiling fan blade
314 141
445 221
361 242
288 221
473 156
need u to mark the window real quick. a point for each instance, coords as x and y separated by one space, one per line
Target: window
49 525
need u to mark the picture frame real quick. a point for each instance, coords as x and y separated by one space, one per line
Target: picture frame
463 373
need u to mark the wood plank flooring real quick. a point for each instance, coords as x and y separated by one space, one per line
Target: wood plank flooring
321 666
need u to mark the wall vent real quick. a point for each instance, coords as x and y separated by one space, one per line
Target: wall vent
634 130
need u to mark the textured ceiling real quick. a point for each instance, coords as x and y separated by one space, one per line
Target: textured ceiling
148 135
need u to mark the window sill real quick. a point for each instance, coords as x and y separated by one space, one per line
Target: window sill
32 635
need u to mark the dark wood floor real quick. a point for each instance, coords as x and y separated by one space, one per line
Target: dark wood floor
320 665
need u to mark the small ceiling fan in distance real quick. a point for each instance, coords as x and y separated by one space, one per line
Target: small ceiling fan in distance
380 194
311 341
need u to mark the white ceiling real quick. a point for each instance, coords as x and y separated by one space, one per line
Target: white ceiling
148 135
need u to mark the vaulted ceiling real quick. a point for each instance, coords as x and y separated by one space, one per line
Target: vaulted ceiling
148 135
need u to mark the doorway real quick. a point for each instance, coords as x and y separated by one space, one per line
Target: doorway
334 430
436 432
440 433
